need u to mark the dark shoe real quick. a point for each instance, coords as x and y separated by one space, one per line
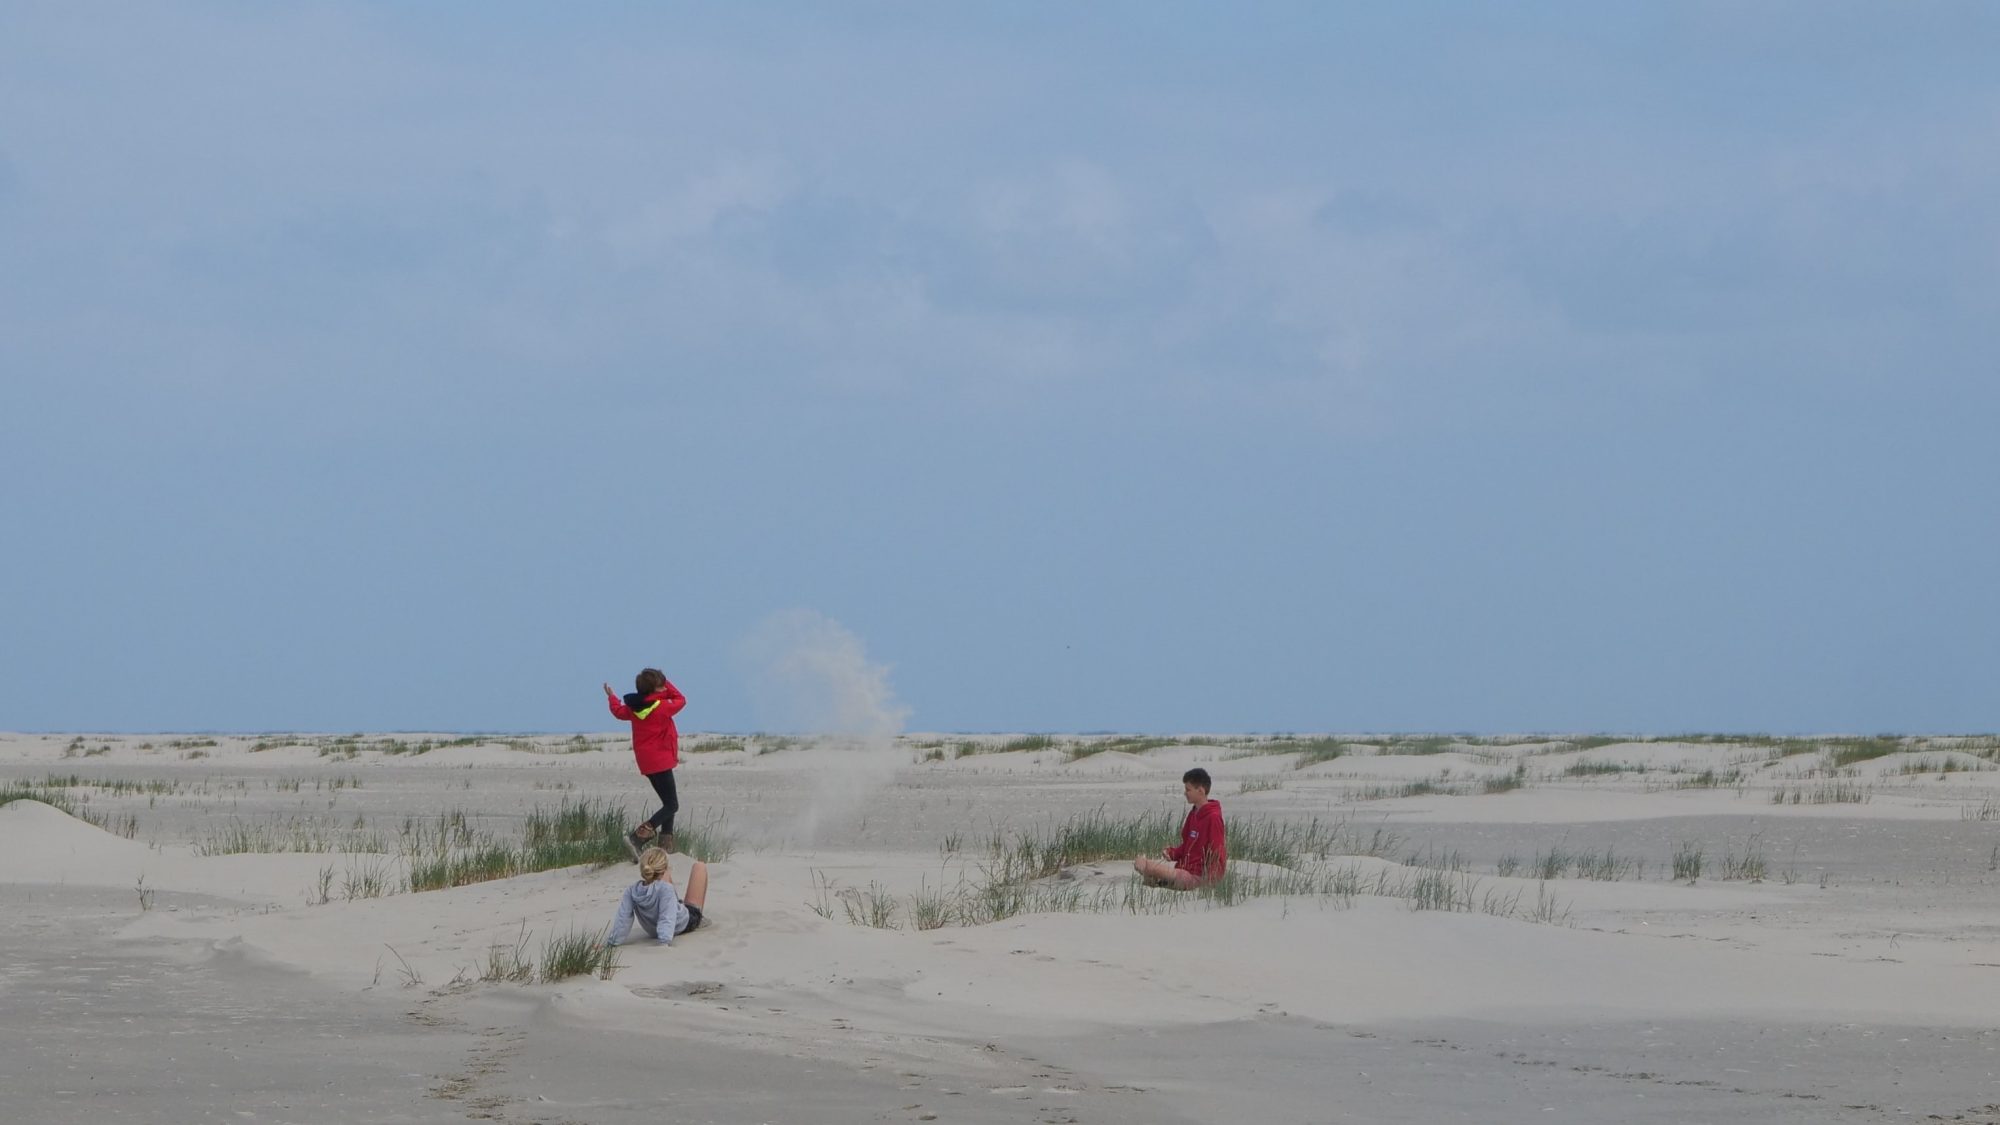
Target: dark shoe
666 842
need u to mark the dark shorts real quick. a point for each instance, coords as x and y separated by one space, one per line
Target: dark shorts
694 917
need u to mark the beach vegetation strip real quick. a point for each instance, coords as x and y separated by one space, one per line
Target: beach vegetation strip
1031 871
447 851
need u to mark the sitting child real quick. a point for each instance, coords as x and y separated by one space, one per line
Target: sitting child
1203 852
659 908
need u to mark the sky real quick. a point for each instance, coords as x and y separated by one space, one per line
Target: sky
1202 367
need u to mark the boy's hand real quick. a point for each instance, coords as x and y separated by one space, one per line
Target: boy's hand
608 693
1166 853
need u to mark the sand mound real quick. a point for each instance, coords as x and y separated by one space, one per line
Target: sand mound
40 843
1184 755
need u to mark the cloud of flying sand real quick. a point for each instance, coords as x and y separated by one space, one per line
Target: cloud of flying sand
808 674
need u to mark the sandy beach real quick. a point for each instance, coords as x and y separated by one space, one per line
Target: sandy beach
205 927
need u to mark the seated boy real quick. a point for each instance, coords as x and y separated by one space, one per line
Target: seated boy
1204 848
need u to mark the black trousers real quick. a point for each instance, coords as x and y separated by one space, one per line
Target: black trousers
670 802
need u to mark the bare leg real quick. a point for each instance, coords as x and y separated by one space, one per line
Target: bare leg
697 888
1162 872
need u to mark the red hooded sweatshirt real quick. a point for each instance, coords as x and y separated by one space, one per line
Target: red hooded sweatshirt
655 741
1204 846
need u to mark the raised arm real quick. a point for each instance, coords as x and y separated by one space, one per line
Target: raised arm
672 699
618 709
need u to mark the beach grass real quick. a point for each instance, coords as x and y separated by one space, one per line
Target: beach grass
509 961
1029 871
1687 863
447 851
705 838
1312 751
1847 752
289 834
578 953
1830 793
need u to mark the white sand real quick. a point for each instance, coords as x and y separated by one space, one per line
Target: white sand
1877 915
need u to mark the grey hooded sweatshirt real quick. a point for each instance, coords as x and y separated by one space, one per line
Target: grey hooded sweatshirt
649 903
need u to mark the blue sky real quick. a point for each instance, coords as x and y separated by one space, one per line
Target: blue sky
1223 367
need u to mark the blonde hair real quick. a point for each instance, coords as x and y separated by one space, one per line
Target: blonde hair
652 864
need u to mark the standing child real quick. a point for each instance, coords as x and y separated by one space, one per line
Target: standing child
1203 852
659 908
656 743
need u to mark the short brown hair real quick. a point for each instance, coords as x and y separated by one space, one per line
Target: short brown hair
650 680
1197 777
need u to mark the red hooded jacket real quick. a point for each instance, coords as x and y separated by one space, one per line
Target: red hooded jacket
1204 846
656 743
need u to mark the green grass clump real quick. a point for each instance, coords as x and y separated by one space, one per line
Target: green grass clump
1688 861
578 953
458 868
1710 779
1592 769
578 830
1129 745
1439 889
1435 744
448 852
1560 863
1748 867
1313 751
874 908
1091 836
1831 793
1608 867
1846 752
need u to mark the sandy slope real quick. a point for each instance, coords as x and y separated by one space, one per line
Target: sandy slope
1908 936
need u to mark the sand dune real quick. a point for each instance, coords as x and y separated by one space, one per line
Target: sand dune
1872 911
